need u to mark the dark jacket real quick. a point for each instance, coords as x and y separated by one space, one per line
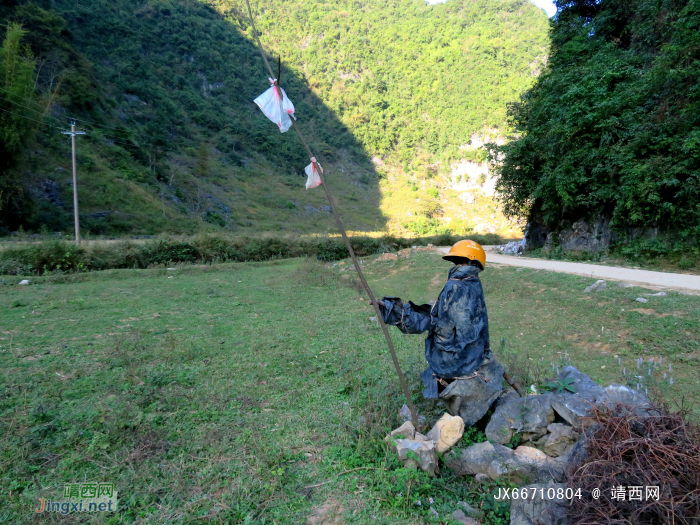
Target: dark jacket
457 326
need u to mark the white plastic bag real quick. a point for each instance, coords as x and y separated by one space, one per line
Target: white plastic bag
277 110
314 180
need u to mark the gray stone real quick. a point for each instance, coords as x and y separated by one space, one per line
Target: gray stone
405 415
24 281
597 286
482 478
422 455
585 237
406 431
571 407
576 455
529 415
461 517
420 437
471 398
523 465
641 300
538 508
469 510
558 439
624 285
584 385
506 396
623 400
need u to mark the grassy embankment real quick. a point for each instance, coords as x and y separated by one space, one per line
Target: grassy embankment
226 392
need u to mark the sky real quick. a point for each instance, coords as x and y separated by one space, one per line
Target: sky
547 5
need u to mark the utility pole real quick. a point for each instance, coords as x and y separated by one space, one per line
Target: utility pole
72 134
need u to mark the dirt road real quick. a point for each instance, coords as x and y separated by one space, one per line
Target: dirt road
645 278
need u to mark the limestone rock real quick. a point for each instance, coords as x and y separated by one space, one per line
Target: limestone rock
461 517
469 510
571 407
597 286
622 399
530 454
418 454
526 465
24 281
407 431
576 455
641 300
540 509
470 399
529 415
446 432
506 396
558 439
584 385
482 478
420 437
405 415
584 237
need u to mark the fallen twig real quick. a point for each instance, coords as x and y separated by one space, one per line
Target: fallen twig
346 472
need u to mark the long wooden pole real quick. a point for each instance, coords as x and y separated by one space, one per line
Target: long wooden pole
339 222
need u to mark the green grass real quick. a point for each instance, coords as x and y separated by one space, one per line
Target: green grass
226 392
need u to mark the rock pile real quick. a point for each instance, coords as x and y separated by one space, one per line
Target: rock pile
513 247
546 433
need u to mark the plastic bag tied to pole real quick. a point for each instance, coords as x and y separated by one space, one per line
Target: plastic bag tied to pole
277 108
311 170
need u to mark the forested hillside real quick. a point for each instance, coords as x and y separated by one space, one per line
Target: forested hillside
164 90
611 131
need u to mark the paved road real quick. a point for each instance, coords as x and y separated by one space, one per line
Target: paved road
595 271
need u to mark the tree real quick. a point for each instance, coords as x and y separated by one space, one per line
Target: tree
17 127
611 129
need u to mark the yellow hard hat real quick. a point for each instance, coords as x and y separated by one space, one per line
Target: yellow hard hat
466 249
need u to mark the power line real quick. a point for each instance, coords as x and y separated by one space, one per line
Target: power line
28 118
103 128
43 115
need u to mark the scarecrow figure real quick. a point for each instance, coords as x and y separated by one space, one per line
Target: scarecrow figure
461 368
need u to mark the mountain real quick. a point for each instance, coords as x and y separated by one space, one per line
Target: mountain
388 93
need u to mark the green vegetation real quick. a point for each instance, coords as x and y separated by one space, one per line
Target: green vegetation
612 127
200 397
175 144
410 80
655 254
16 80
54 256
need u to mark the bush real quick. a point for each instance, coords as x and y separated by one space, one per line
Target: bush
332 250
164 252
61 256
685 263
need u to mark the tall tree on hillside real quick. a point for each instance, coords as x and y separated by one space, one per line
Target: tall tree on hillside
17 127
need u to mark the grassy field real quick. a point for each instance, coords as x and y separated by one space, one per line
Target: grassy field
259 392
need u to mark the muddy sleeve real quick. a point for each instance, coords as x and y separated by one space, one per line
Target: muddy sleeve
410 318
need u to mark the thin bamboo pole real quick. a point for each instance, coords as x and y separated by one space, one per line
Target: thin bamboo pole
339 222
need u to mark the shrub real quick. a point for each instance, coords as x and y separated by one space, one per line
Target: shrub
332 250
61 256
165 252
685 263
